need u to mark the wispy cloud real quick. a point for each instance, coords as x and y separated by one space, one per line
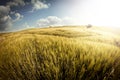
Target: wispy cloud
18 17
26 25
37 5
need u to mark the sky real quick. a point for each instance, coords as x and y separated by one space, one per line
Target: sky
23 14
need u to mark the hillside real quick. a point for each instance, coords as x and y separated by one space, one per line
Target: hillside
60 53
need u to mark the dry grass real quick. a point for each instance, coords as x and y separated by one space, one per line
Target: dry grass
67 53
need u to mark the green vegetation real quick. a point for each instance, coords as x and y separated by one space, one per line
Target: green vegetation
60 53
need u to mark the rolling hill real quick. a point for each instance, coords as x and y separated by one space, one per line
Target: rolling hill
60 53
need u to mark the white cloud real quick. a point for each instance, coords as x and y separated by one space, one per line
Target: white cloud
18 17
16 3
37 5
55 21
5 10
5 19
26 25
5 23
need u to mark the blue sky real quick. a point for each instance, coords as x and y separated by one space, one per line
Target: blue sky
22 14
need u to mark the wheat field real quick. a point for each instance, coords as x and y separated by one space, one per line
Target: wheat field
60 53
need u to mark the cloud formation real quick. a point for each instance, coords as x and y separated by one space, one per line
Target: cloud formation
18 17
5 22
5 10
5 19
26 25
37 5
16 3
56 21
